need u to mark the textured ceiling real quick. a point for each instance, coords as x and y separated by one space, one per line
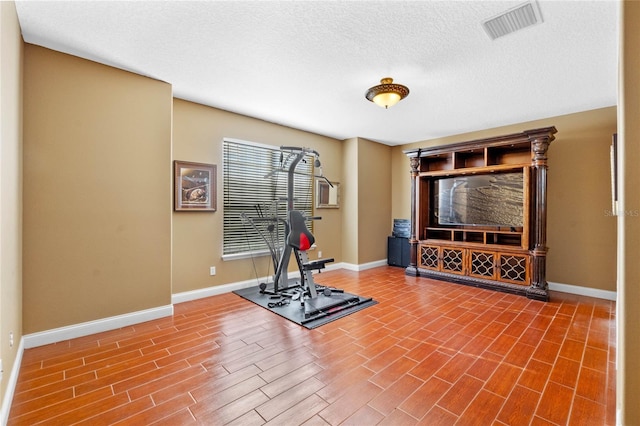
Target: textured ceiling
307 64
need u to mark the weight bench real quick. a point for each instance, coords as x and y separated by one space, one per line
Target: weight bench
319 264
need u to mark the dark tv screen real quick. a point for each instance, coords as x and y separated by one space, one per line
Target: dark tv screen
480 200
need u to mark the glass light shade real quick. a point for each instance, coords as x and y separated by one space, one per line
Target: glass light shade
387 93
386 100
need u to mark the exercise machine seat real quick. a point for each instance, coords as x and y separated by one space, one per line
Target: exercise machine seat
299 236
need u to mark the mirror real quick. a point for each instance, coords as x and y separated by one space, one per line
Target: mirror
327 197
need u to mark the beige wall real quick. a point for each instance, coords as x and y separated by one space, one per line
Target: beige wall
374 201
97 191
628 377
581 231
366 213
198 132
349 201
11 56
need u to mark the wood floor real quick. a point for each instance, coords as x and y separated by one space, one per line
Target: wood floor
430 353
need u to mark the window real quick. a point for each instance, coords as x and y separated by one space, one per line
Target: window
255 183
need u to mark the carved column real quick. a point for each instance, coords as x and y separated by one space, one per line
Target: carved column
412 269
539 147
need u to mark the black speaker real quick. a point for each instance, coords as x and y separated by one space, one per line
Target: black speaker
398 251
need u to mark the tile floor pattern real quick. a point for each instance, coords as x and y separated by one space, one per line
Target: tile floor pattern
430 353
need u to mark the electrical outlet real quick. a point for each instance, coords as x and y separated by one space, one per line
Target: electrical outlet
319 254
11 339
212 270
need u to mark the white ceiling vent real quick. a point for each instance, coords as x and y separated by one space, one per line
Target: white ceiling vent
512 20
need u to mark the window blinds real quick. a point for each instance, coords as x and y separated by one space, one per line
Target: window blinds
255 183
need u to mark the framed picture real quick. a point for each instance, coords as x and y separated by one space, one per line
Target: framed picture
195 186
327 195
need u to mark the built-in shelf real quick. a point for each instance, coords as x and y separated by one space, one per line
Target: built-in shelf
479 212
508 155
503 238
505 155
471 158
440 162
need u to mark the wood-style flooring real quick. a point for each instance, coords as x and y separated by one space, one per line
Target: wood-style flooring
429 353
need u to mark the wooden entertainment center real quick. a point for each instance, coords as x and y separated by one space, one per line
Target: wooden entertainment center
479 210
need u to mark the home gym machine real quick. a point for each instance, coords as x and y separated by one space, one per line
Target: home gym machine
287 235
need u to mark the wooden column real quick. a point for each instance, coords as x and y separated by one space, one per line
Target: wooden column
412 269
539 286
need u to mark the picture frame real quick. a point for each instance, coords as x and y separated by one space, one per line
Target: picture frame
327 195
194 186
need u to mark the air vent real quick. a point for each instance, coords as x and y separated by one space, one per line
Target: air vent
512 20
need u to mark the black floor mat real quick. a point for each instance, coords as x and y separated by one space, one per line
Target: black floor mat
315 312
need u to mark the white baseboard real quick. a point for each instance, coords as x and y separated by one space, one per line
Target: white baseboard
364 266
201 293
11 385
332 267
583 291
91 327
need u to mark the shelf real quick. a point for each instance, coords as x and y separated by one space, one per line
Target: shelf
437 162
473 237
471 158
487 237
473 170
438 234
504 239
477 158
510 154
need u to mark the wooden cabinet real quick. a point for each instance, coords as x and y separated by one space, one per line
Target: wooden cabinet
478 212
475 262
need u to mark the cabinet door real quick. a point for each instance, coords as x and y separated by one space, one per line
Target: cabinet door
429 257
452 260
513 268
482 264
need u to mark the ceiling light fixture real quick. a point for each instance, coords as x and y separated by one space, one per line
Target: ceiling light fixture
387 93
